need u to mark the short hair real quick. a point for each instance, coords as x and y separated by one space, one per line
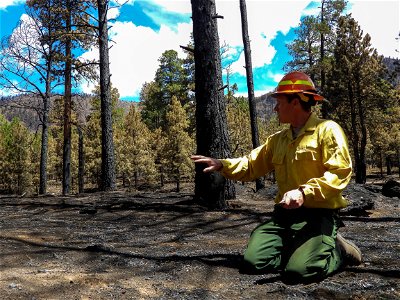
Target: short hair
306 105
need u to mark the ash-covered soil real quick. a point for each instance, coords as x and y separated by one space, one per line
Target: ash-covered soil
162 245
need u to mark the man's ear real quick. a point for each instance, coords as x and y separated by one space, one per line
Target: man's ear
296 101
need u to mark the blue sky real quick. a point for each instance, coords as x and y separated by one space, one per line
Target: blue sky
143 30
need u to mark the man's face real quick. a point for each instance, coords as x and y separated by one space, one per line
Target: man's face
284 109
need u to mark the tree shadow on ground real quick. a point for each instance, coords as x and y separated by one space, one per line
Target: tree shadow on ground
217 259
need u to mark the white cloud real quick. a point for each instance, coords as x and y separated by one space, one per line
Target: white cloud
265 19
381 20
135 53
5 3
134 57
178 6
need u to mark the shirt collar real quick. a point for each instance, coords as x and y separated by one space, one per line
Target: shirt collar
310 126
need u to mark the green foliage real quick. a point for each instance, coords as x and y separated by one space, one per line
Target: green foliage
305 48
93 135
135 159
362 97
238 119
179 145
312 49
15 163
56 144
174 77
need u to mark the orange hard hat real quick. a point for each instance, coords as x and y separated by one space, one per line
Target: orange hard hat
297 82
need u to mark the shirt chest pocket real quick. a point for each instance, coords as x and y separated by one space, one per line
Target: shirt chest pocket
280 168
307 154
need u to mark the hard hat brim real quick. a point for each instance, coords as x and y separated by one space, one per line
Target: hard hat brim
316 96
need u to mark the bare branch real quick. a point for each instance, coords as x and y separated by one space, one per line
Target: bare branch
187 48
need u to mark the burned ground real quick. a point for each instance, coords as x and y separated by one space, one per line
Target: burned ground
162 245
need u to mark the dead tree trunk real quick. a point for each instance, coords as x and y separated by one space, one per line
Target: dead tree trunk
107 145
81 164
67 107
212 134
45 136
250 84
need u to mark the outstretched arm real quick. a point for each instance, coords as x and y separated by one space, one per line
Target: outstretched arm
213 164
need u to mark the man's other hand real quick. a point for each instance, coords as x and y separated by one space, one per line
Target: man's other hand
292 199
212 163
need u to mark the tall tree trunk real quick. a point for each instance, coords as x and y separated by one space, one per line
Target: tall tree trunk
250 85
398 160
45 135
81 164
388 165
43 149
324 108
363 143
107 145
355 133
212 135
67 107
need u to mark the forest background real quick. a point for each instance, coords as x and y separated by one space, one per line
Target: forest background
64 139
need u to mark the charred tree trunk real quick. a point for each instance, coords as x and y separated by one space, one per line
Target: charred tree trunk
107 145
388 165
81 163
362 164
324 109
355 134
45 135
67 107
250 84
212 134
398 161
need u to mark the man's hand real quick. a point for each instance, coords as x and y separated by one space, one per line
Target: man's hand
212 163
292 199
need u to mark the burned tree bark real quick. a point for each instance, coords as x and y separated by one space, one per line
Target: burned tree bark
66 186
107 145
250 84
212 134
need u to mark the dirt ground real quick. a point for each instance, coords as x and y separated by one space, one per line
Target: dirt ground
161 245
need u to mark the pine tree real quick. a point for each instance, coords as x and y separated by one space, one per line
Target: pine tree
56 144
239 126
93 133
358 88
158 139
15 158
305 48
136 158
179 145
30 54
312 49
171 79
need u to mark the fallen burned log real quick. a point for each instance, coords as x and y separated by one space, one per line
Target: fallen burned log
391 188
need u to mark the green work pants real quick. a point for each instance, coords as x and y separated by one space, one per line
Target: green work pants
299 243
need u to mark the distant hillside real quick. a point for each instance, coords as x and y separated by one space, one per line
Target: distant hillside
26 108
265 107
393 66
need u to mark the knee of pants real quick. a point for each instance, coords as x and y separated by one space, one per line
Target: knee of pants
312 262
268 260
303 273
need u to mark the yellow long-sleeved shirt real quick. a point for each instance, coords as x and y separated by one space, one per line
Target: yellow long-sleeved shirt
318 161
